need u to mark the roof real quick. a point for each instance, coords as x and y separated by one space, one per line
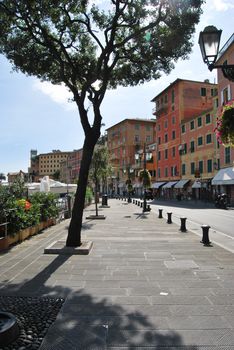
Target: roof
177 81
133 120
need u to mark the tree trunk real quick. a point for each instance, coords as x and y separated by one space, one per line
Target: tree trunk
74 231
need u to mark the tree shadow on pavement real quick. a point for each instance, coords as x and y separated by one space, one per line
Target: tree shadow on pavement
90 318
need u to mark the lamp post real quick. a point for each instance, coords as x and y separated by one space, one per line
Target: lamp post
209 41
145 155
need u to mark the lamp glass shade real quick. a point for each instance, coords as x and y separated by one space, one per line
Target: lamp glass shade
209 41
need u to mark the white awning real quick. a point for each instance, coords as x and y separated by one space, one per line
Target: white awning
196 184
224 177
169 184
157 184
181 183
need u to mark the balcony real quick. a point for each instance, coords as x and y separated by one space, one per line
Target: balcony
161 109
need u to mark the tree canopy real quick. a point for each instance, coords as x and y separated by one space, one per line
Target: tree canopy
81 44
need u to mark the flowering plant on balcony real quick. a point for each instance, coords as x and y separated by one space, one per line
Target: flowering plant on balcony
225 125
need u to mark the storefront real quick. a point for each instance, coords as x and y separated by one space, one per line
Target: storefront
181 189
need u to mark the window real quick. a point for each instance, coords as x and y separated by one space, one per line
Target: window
172 96
183 129
200 141
165 124
166 172
173 135
159 127
166 138
185 148
137 138
159 172
192 146
148 138
148 127
137 126
159 155
208 138
227 155
192 167
159 140
199 121
165 98
209 165
173 151
192 125
214 92
183 169
225 95
200 166
173 120
208 119
203 91
166 154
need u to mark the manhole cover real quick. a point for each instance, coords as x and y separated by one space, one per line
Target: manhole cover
8 328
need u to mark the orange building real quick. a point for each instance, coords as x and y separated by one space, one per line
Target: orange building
126 139
179 102
200 156
226 95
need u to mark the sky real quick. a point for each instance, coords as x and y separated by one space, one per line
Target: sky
37 115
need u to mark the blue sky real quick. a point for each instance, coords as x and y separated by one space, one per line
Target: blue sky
36 115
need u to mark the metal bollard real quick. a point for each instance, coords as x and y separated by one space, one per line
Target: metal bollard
148 207
183 224
205 235
169 218
141 204
160 210
133 201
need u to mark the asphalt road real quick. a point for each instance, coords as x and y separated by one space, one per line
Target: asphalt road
221 221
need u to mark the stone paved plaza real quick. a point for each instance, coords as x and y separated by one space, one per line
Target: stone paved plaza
144 285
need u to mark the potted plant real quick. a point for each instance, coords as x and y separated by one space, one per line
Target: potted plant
225 125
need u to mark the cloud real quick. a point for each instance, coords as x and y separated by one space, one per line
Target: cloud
222 5
57 93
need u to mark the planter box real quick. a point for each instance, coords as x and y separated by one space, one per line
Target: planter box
4 243
20 236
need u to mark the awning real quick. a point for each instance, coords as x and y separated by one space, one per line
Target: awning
224 177
169 184
196 184
157 184
181 183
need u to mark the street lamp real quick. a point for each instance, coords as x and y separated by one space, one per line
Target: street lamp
209 41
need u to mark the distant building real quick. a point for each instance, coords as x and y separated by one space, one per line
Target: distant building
126 139
12 177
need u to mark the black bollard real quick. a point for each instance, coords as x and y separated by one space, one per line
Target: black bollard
148 207
169 218
160 210
183 224
141 204
205 235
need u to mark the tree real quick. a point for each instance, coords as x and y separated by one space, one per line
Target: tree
2 177
99 170
91 48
